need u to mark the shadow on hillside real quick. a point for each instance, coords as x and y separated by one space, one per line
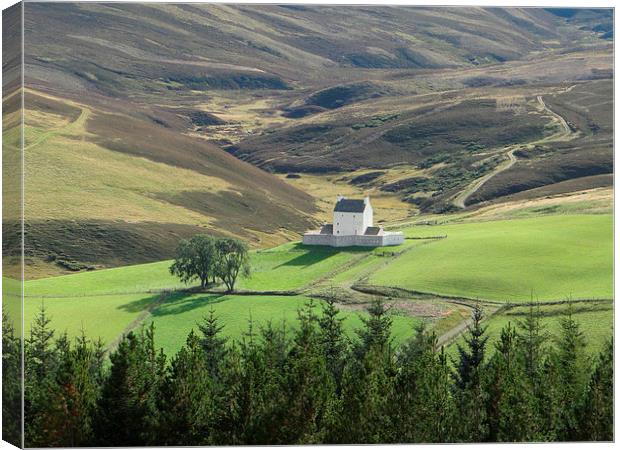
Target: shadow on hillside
174 304
316 254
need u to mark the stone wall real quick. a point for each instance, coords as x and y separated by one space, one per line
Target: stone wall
349 241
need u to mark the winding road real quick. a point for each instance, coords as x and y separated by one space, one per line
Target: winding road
565 134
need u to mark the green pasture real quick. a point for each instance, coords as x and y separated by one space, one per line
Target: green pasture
553 257
594 318
99 316
292 266
180 313
120 280
104 303
287 267
175 314
11 301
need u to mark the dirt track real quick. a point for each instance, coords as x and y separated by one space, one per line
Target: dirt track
566 134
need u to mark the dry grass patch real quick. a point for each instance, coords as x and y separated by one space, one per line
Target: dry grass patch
387 207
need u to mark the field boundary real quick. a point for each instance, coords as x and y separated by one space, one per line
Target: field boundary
396 291
145 314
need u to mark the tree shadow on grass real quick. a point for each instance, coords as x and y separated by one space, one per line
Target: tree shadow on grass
141 304
176 303
184 302
315 254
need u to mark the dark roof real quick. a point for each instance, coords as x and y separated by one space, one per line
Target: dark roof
328 228
350 205
372 230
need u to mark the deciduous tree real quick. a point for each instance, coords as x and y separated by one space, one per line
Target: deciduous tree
196 258
233 260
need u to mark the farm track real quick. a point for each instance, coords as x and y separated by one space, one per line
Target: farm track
490 307
76 124
340 269
136 323
566 134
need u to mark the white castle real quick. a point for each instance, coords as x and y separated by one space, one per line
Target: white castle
352 226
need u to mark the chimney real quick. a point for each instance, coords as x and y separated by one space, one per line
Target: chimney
339 197
366 200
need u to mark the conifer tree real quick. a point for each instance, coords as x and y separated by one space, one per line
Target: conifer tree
469 394
572 367
43 418
79 377
192 403
270 388
442 414
129 405
531 336
259 395
212 343
597 412
366 381
420 398
375 334
309 383
511 409
11 382
332 340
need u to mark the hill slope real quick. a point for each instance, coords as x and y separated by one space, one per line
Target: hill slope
129 111
118 48
108 188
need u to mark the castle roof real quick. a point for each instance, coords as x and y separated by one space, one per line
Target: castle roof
350 206
372 231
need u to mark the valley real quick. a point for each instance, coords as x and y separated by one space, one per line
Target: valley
484 135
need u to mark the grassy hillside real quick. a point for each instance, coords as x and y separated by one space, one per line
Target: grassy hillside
104 302
286 267
587 109
108 189
551 258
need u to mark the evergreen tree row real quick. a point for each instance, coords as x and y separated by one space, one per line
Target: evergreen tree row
312 384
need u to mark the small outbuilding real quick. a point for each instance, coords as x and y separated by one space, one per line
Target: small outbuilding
353 225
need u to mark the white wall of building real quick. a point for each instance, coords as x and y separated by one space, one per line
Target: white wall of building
359 240
367 214
353 224
349 224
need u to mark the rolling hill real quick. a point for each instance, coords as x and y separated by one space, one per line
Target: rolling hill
149 123
124 48
107 188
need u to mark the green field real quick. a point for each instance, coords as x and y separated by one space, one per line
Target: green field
503 260
289 266
553 257
176 317
594 318
292 266
103 303
103 316
121 280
